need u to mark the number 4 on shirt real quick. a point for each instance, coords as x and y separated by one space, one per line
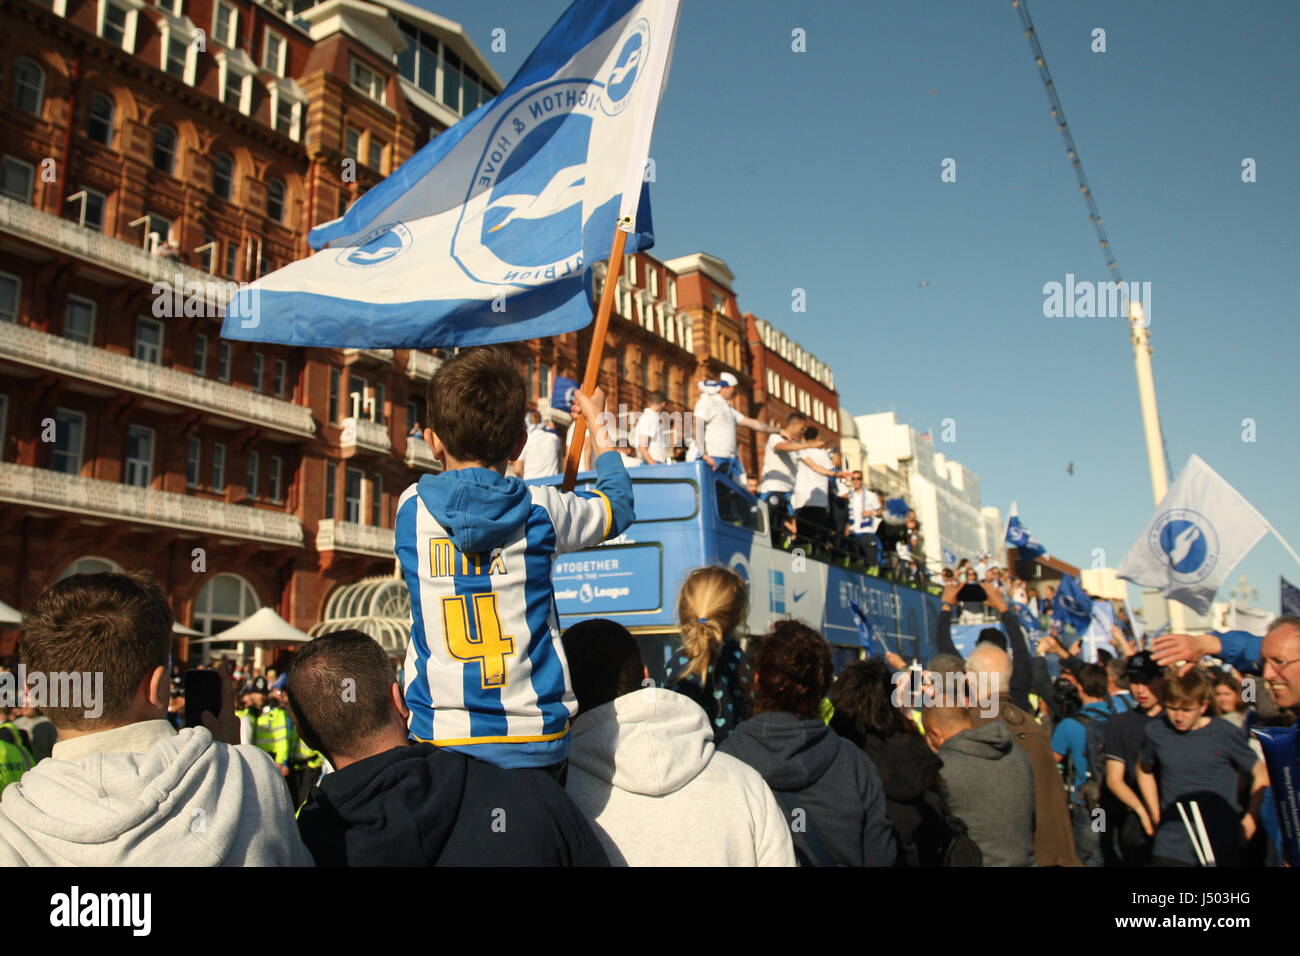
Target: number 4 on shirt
492 648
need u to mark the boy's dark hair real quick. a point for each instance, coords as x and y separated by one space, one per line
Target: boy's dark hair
655 397
992 635
476 405
793 668
1092 678
118 625
336 717
810 433
604 662
795 417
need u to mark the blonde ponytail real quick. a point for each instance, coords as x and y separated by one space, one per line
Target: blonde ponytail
712 603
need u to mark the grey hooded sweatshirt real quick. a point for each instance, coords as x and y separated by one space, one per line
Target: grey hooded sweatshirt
644 771
990 787
148 795
831 780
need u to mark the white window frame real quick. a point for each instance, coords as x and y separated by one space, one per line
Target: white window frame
258 374
201 371
354 66
276 479
361 494
281 377
31 179
232 39
18 296
253 471
194 458
223 362
278 67
287 89
132 10
238 61
140 323
130 465
93 316
218 466
81 439
183 26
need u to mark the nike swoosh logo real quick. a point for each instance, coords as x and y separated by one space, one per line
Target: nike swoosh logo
798 595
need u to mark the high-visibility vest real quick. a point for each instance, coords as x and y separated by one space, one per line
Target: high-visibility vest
14 762
271 733
300 753
12 735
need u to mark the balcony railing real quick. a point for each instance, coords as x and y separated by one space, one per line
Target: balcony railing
363 433
420 455
421 365
68 358
20 219
40 488
334 535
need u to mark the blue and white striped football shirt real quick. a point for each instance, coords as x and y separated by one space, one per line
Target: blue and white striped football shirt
485 670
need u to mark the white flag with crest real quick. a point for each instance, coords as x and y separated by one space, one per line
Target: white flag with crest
1201 530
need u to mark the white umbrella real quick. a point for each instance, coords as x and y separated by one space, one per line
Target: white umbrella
183 631
263 627
8 615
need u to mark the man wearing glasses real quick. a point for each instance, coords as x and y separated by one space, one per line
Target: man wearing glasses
865 510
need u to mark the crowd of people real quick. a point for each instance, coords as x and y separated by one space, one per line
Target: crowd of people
506 742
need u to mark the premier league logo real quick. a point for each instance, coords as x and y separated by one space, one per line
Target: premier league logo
1187 543
379 245
523 222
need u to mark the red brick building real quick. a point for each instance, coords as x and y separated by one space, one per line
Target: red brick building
787 378
139 150
131 434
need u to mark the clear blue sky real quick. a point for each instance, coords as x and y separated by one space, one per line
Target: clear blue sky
820 170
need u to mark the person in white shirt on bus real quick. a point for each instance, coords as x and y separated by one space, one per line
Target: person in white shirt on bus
542 452
653 441
865 511
780 464
715 427
812 512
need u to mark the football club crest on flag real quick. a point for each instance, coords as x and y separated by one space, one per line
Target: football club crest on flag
949 557
1019 537
1072 605
1201 530
488 234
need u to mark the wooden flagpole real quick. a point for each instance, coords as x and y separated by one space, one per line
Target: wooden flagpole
591 378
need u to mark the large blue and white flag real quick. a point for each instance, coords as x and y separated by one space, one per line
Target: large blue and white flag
1201 530
1072 605
488 234
1290 595
1019 537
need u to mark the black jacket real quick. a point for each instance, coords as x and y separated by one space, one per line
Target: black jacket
424 806
909 771
830 779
